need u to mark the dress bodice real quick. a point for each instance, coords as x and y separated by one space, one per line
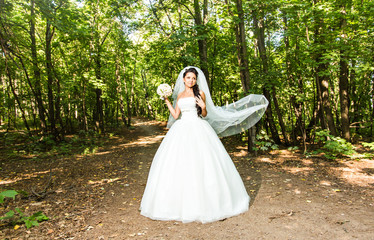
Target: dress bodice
188 107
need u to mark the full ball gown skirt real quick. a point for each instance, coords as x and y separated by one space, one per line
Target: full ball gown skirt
192 177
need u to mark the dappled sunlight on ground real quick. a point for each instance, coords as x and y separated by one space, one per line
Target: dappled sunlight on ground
325 183
305 170
27 176
241 153
297 191
102 181
102 153
348 170
356 172
139 122
143 141
266 159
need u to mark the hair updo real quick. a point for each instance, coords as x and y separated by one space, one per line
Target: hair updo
195 88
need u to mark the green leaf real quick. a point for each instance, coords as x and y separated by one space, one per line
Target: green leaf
39 216
19 212
29 223
7 193
8 215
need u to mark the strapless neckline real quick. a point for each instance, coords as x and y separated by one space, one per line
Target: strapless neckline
186 98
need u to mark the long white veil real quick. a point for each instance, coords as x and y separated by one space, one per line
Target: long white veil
226 120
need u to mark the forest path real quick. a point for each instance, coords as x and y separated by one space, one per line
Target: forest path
295 199
97 196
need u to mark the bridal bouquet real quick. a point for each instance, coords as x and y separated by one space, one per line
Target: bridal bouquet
164 90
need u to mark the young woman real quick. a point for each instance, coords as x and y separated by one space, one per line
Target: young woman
192 177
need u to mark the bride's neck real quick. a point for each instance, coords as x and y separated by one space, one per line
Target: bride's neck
188 90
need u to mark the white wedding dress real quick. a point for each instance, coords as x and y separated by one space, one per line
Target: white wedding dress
192 177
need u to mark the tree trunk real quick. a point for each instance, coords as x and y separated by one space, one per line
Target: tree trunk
321 78
16 98
58 101
344 98
98 115
38 92
297 107
372 103
203 50
145 87
299 114
343 83
127 102
132 94
270 119
119 92
3 98
241 44
324 85
353 93
259 32
212 73
242 55
9 108
98 42
279 114
48 55
319 110
84 108
242 48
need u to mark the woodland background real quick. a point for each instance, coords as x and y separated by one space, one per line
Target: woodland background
80 119
80 66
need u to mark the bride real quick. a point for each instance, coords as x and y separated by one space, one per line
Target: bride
192 177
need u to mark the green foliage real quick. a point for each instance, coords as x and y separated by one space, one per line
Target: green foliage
368 145
32 220
8 194
18 216
321 136
264 143
332 146
90 150
37 144
81 143
293 148
110 56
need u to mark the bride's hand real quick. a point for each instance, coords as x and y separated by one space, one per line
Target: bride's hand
200 102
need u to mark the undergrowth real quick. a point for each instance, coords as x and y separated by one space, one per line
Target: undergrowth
264 143
18 143
332 147
17 216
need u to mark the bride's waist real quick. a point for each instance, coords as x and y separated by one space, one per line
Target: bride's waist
189 114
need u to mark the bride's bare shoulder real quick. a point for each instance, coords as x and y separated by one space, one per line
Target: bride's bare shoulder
179 95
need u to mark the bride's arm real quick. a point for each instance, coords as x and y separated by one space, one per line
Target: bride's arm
174 112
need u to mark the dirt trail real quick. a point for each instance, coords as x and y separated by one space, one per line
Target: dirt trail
283 205
292 197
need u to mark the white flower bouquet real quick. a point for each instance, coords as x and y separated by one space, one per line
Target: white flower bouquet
164 90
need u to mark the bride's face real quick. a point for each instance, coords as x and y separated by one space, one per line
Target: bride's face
190 79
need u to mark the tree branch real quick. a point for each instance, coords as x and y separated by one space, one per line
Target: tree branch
157 18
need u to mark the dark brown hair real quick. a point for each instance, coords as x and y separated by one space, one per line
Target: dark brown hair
195 88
